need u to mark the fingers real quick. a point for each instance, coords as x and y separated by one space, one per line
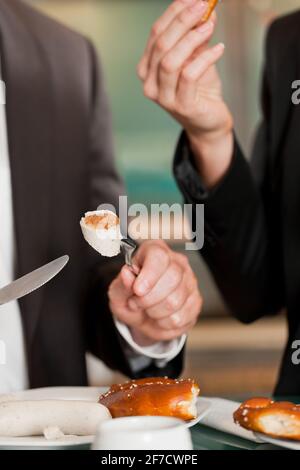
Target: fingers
126 316
171 304
174 300
119 293
180 26
159 26
187 86
166 284
154 259
185 316
163 302
128 278
171 65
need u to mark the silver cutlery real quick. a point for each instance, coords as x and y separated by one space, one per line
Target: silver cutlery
33 281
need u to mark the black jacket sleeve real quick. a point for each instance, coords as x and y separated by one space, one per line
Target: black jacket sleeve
103 339
242 232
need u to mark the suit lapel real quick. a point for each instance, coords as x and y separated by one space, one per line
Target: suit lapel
30 121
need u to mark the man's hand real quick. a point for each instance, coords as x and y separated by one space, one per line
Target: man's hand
163 302
178 72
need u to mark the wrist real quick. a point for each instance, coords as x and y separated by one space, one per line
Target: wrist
212 152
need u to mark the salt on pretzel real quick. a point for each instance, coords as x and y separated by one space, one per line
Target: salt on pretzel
157 396
275 419
210 8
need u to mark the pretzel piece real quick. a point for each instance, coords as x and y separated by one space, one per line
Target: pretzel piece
210 8
153 397
275 419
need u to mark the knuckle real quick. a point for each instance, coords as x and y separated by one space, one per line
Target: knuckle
177 321
161 44
170 304
173 8
162 244
149 91
167 65
193 37
193 283
187 75
166 103
174 323
139 71
198 305
160 254
175 274
174 302
155 30
183 18
184 260
153 313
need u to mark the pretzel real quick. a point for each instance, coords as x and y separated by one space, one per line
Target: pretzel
276 419
210 8
153 397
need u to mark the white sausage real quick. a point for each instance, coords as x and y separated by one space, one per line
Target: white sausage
30 418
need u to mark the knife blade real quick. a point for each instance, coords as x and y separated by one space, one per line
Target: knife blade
32 281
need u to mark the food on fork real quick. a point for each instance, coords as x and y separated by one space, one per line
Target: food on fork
153 397
53 418
210 8
101 229
275 419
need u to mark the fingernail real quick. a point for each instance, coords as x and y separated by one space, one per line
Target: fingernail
205 27
188 2
198 7
133 305
220 46
176 319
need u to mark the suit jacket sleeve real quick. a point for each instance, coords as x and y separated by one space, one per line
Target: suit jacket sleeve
241 234
105 188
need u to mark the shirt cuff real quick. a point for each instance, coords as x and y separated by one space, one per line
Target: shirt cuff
140 357
188 177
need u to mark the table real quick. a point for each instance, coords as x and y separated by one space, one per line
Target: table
205 438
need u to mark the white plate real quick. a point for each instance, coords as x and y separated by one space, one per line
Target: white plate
286 443
69 393
52 393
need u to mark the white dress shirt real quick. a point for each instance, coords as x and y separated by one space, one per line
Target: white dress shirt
13 373
13 370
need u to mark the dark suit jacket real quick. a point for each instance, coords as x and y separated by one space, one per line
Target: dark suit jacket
252 219
62 164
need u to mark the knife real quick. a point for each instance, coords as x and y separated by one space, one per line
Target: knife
33 281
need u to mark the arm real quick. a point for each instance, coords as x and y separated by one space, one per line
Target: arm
243 236
178 72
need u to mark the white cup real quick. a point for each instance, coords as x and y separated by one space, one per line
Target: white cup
143 433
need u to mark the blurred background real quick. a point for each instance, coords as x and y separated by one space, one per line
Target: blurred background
227 358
